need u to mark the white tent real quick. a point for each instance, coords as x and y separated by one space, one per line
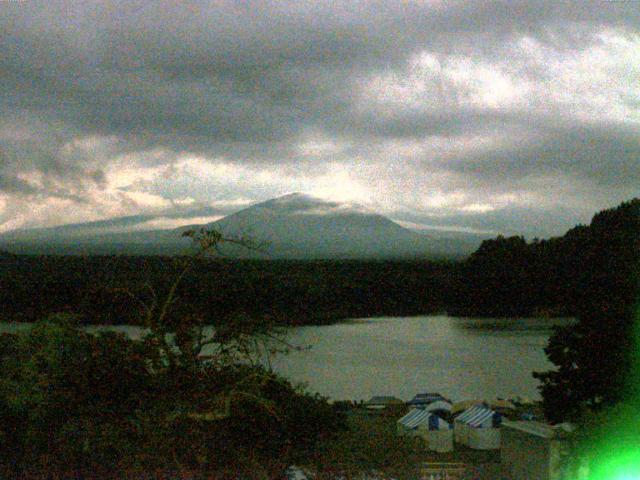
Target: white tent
436 432
478 428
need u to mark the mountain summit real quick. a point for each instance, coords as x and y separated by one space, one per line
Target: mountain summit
301 226
294 226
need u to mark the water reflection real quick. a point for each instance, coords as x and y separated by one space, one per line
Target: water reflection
458 357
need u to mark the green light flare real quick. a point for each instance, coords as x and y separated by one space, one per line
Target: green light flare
612 445
634 381
620 466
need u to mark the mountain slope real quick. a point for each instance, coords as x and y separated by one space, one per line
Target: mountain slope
299 226
293 226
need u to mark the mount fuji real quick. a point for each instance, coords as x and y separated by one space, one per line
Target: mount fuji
294 226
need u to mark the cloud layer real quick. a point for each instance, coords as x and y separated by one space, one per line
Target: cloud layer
518 116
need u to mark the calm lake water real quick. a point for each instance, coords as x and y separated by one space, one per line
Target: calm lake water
458 357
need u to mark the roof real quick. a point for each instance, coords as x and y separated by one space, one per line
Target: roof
439 405
421 417
539 429
465 404
425 398
478 417
383 400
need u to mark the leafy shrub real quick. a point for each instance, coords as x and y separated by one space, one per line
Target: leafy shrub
73 403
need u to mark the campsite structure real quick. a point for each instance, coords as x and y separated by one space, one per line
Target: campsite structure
436 432
421 400
533 450
463 405
441 408
479 428
381 402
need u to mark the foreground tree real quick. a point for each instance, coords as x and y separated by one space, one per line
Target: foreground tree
596 384
75 404
595 358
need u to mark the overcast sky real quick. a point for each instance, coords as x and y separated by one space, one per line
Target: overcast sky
515 117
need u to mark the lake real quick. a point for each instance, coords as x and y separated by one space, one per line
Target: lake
457 357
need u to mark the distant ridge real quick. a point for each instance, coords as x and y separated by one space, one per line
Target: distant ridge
293 226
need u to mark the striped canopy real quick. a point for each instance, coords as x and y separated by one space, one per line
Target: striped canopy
421 417
479 417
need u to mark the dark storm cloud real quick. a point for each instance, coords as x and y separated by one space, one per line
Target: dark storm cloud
241 71
247 80
607 154
64 169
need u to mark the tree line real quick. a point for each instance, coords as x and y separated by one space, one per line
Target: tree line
109 289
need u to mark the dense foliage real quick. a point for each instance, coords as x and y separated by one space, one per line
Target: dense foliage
372 447
510 277
597 359
108 290
75 404
82 405
566 276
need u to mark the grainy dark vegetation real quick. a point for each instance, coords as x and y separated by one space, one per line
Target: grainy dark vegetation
597 359
107 289
77 405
